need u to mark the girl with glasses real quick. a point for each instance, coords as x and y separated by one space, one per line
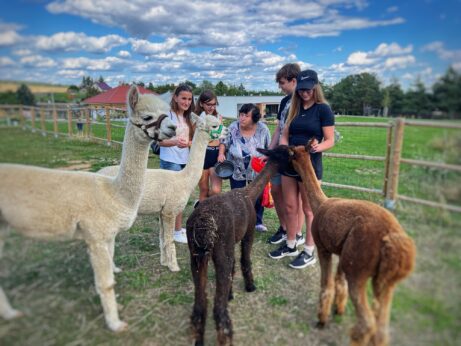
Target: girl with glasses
210 184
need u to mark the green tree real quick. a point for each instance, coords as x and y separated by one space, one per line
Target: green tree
395 96
25 96
417 101
221 89
447 93
9 98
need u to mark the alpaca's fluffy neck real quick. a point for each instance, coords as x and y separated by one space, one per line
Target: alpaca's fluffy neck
130 179
303 166
255 189
193 170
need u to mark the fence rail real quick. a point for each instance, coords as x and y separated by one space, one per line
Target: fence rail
384 145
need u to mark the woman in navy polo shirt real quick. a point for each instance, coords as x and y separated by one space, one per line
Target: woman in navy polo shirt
309 117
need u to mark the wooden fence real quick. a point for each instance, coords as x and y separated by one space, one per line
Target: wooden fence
107 125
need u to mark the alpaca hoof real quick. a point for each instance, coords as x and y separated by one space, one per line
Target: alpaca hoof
231 296
320 325
338 312
117 270
12 314
250 288
173 267
118 327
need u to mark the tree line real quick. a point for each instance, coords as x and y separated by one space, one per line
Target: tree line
358 94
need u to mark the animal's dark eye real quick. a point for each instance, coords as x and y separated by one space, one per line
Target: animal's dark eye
147 118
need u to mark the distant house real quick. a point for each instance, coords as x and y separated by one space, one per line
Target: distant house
114 98
101 86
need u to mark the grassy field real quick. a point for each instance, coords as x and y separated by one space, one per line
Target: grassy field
53 282
34 87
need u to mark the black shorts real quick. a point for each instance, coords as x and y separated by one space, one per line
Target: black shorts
316 160
211 157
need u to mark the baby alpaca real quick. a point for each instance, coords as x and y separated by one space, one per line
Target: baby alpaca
51 204
214 227
167 192
370 243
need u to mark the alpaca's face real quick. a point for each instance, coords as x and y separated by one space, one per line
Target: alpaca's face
146 110
212 126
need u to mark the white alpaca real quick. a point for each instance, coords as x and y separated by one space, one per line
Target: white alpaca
60 205
167 192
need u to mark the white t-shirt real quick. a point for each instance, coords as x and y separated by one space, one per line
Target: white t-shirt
176 154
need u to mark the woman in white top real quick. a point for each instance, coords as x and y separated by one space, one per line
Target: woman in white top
174 152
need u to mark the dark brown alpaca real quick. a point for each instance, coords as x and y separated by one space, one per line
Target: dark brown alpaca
213 229
370 243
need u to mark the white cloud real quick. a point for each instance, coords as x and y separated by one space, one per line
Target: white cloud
6 61
22 52
72 41
360 58
399 61
438 47
73 74
106 64
124 54
392 9
385 49
37 61
148 48
9 37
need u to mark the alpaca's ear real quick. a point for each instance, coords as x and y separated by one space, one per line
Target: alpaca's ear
133 97
263 151
193 118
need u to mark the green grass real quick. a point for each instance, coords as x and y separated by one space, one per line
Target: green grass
52 282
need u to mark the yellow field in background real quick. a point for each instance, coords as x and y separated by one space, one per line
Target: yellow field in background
34 87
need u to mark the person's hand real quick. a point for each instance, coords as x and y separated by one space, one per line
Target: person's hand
264 158
221 157
315 146
183 143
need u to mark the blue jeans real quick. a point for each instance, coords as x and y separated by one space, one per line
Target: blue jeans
235 184
171 166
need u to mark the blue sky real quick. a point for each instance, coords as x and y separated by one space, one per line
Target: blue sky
234 41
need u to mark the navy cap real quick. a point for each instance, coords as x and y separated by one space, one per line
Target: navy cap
306 80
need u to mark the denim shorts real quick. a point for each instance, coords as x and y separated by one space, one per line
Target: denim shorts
276 179
171 166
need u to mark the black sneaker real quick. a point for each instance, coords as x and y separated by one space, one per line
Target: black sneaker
278 237
196 203
283 251
303 260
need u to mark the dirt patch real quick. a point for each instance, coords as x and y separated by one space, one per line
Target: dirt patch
76 166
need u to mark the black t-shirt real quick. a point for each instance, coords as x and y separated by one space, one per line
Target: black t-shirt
307 124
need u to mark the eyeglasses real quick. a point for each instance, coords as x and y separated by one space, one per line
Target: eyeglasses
211 105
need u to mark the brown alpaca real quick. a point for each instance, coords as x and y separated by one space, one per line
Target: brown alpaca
370 243
213 229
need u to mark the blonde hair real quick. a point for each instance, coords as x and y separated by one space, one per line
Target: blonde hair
296 102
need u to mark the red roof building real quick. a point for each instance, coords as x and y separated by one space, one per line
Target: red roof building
115 97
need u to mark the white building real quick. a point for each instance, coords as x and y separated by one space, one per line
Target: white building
229 105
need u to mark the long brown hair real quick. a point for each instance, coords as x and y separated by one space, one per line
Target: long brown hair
186 115
296 102
205 96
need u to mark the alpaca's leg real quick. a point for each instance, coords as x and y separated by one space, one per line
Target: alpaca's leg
231 294
6 311
326 286
382 306
167 246
245 261
199 269
223 267
340 291
111 249
365 325
161 237
104 281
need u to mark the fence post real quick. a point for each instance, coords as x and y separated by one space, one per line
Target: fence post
69 122
394 165
42 120
55 122
108 129
32 118
88 122
22 121
387 158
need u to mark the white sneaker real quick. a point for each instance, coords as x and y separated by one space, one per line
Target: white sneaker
180 236
261 228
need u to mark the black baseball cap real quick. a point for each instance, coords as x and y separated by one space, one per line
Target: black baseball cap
306 80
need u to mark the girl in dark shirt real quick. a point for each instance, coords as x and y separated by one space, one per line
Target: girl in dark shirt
309 117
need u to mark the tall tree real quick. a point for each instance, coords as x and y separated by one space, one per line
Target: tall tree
221 89
418 101
396 97
447 93
25 96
